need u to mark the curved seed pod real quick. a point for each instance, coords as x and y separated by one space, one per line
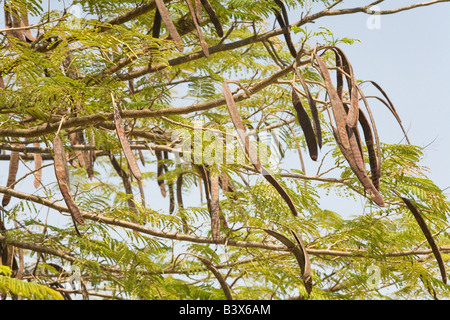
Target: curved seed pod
236 119
377 150
13 168
213 16
281 5
37 167
390 106
314 111
63 179
287 34
360 174
134 168
339 77
165 16
300 254
373 160
341 134
196 21
339 113
223 284
352 116
423 226
306 125
280 189
90 166
156 30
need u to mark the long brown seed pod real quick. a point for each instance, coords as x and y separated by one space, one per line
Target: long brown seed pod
339 113
37 167
368 138
314 111
196 21
281 190
353 113
13 168
286 33
223 284
305 124
213 16
134 168
63 179
237 121
165 16
423 226
300 254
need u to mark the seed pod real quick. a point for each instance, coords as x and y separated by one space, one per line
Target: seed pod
287 34
62 177
134 168
165 16
306 125
196 21
37 167
13 168
156 24
213 16
280 189
314 111
300 254
237 121
423 226
160 172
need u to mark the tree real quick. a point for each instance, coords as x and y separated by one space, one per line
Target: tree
160 135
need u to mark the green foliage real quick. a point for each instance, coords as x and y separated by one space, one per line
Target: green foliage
25 289
128 248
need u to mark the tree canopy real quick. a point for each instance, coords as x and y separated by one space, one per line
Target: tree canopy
183 149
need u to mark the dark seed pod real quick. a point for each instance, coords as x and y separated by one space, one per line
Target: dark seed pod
61 173
13 168
213 16
423 226
306 125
